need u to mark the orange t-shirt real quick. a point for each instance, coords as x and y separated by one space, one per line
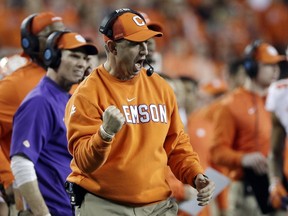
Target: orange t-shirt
242 125
131 168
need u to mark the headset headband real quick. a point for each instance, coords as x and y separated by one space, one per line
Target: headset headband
108 21
29 41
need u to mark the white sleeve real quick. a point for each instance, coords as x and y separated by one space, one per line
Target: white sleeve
23 170
271 98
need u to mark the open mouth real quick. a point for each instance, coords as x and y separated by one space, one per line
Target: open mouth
139 64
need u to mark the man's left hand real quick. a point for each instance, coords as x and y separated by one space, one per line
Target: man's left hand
205 188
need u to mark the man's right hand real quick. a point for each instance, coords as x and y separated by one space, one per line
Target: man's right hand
113 120
277 193
256 161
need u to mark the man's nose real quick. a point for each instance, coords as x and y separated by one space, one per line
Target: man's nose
144 48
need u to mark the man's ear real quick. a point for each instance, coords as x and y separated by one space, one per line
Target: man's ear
111 46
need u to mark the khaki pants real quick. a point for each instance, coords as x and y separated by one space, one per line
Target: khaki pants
93 205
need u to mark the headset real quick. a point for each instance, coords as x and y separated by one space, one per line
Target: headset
52 54
29 41
107 23
249 63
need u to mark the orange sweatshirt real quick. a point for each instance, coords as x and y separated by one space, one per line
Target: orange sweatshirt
131 168
13 89
242 125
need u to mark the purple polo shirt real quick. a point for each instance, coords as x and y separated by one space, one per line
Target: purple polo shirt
39 133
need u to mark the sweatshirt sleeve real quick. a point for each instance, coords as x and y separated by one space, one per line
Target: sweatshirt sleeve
83 121
222 152
182 159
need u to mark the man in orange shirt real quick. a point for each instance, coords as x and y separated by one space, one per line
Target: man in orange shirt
242 132
123 128
13 88
200 123
200 120
200 130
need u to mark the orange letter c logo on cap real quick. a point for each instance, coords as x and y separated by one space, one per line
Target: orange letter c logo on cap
138 21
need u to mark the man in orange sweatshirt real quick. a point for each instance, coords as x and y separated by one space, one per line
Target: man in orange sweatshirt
13 88
242 132
123 128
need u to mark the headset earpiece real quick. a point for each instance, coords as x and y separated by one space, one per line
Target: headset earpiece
250 64
29 41
107 23
52 55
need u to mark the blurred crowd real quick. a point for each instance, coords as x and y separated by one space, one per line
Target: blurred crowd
200 55
200 36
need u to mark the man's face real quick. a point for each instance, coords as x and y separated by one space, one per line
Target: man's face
72 67
130 57
267 74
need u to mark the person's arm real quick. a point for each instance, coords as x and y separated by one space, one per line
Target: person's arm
88 141
275 163
26 180
35 201
275 159
222 152
184 161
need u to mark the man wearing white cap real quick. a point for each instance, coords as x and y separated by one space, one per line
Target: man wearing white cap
242 133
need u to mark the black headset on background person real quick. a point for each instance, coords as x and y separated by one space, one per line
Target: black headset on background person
250 64
29 41
107 23
52 54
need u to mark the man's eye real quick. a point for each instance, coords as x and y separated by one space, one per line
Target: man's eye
132 43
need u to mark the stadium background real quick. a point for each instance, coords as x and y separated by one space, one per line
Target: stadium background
200 36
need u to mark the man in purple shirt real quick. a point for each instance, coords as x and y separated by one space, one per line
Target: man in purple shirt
40 160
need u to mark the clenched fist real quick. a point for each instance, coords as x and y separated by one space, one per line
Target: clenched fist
205 188
113 121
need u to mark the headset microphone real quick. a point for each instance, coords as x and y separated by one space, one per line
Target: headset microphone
150 70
